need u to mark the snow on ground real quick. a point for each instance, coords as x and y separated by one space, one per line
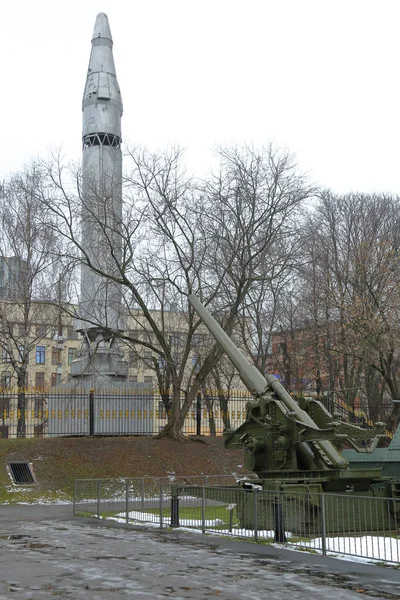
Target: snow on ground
39 502
42 501
150 517
368 548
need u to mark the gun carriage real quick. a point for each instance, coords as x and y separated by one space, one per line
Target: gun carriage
291 445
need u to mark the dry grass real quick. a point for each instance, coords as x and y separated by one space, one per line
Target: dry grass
57 462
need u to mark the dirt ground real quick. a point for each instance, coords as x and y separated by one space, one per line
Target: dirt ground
57 462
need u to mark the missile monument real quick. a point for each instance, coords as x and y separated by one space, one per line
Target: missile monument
100 306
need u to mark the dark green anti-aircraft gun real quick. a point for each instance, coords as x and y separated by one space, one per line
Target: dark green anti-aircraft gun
290 445
387 459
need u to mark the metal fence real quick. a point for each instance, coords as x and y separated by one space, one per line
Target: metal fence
362 526
110 412
32 413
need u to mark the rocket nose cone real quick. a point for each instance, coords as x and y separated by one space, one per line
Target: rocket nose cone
101 27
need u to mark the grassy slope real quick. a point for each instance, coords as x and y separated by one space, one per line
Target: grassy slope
57 462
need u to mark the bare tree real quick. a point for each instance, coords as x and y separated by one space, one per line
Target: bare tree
178 236
351 280
220 387
29 270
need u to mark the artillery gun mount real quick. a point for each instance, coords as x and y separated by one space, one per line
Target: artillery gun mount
290 446
283 450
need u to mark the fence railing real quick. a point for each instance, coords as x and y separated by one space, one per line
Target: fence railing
362 526
29 413
110 412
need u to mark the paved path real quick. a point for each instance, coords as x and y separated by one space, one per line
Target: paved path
47 553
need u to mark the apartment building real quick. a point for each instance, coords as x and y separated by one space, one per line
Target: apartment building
53 344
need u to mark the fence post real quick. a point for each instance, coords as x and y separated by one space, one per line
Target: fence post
255 516
161 505
74 502
323 524
174 507
127 501
91 412
142 494
231 508
98 498
203 510
198 414
279 527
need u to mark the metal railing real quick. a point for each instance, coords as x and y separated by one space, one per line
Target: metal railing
338 524
57 413
137 499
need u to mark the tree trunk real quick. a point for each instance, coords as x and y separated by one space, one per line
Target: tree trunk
224 406
21 426
173 427
210 412
166 400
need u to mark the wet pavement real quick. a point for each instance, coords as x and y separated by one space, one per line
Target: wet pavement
45 553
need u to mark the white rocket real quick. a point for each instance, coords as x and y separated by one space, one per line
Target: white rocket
100 300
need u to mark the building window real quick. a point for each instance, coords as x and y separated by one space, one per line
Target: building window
132 379
71 355
40 355
54 379
147 356
55 356
21 352
21 330
72 334
133 359
6 380
39 380
176 340
5 355
148 379
4 406
41 331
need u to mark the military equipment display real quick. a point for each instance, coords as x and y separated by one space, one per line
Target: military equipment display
386 459
289 444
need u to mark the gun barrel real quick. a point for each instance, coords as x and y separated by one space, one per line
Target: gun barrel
257 384
249 374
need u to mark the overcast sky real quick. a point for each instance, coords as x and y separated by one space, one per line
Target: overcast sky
319 77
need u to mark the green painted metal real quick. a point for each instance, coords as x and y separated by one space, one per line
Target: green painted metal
387 459
291 445
286 439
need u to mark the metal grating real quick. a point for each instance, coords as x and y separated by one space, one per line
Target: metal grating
21 473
